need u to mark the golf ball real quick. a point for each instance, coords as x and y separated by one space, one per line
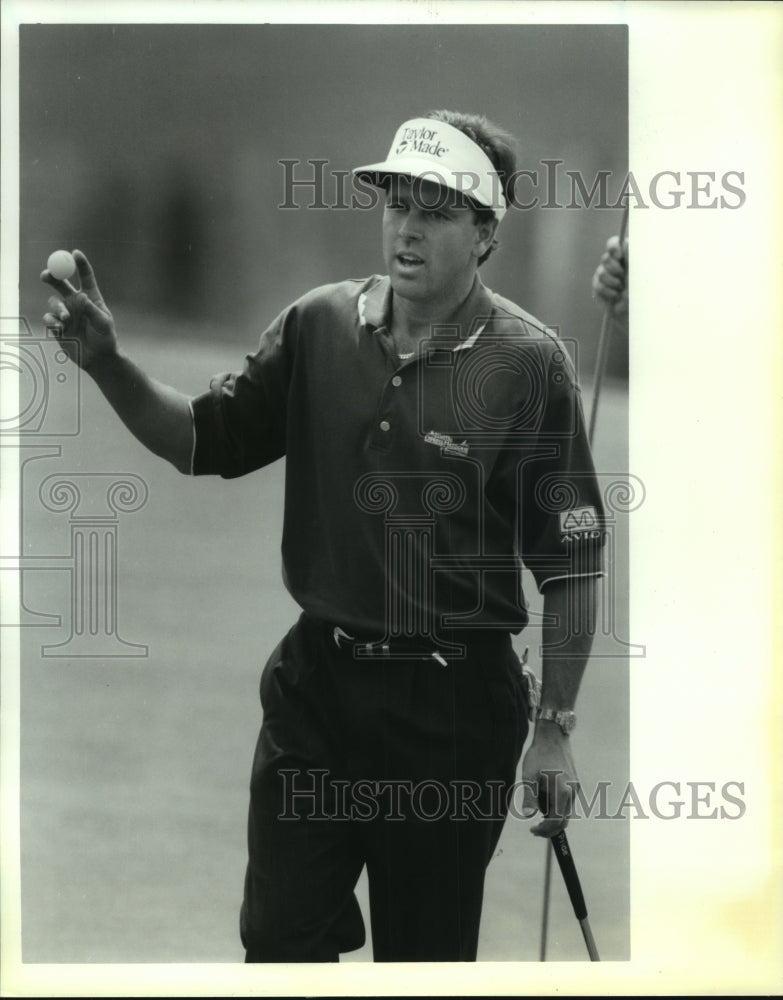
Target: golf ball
61 265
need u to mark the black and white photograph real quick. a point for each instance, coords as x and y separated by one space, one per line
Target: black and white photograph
347 628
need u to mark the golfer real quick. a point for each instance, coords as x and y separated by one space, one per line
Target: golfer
434 444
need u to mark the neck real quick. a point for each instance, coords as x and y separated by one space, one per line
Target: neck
414 320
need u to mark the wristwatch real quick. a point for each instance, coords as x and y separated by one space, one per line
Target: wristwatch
566 720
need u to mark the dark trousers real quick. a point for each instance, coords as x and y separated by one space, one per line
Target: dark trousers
402 765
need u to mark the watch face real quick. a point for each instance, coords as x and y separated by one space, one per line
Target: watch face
566 721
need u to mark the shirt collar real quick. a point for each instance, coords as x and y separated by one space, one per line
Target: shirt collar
465 324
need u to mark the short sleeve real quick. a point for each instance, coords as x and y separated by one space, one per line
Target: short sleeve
240 422
561 527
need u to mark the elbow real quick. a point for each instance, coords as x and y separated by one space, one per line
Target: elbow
184 455
183 463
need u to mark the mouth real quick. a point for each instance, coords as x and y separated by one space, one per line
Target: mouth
409 261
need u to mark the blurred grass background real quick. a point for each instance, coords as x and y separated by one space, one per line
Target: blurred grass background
154 149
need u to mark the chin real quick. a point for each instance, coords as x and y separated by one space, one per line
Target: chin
410 289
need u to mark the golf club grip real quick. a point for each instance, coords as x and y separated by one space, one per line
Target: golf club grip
565 859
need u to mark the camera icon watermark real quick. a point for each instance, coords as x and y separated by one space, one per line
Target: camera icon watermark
47 401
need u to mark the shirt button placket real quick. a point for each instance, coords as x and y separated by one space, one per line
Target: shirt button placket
383 440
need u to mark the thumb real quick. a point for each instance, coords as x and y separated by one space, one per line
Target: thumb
529 798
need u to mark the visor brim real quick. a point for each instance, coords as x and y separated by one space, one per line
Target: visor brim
379 175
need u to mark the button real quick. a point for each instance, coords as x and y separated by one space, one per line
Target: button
385 425
396 381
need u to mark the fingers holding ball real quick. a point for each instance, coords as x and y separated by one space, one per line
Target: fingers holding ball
61 265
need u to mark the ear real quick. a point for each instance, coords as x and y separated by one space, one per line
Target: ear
485 233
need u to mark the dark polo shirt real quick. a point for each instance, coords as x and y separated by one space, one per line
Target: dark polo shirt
413 488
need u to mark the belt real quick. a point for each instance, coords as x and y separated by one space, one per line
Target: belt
415 647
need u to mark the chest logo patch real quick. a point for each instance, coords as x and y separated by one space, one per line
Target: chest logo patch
447 444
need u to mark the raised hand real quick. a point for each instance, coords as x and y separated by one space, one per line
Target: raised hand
79 317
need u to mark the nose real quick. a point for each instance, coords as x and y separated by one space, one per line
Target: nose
411 226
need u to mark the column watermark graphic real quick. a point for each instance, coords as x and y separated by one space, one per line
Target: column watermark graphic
409 536
94 501
39 424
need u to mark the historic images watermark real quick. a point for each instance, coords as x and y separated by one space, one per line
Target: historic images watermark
313 184
314 794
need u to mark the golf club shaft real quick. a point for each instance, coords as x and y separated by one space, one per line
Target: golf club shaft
587 934
603 346
545 912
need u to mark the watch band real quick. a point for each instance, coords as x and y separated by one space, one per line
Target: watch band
565 719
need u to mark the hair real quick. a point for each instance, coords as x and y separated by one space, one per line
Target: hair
498 144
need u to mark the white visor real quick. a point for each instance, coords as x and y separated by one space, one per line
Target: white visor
431 150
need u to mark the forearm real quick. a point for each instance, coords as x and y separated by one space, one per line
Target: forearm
156 414
570 610
548 768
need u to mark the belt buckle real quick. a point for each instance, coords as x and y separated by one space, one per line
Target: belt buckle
368 649
337 634
383 650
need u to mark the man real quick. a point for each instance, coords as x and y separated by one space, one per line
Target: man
433 435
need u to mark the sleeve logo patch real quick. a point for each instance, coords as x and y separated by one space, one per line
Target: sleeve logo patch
581 522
